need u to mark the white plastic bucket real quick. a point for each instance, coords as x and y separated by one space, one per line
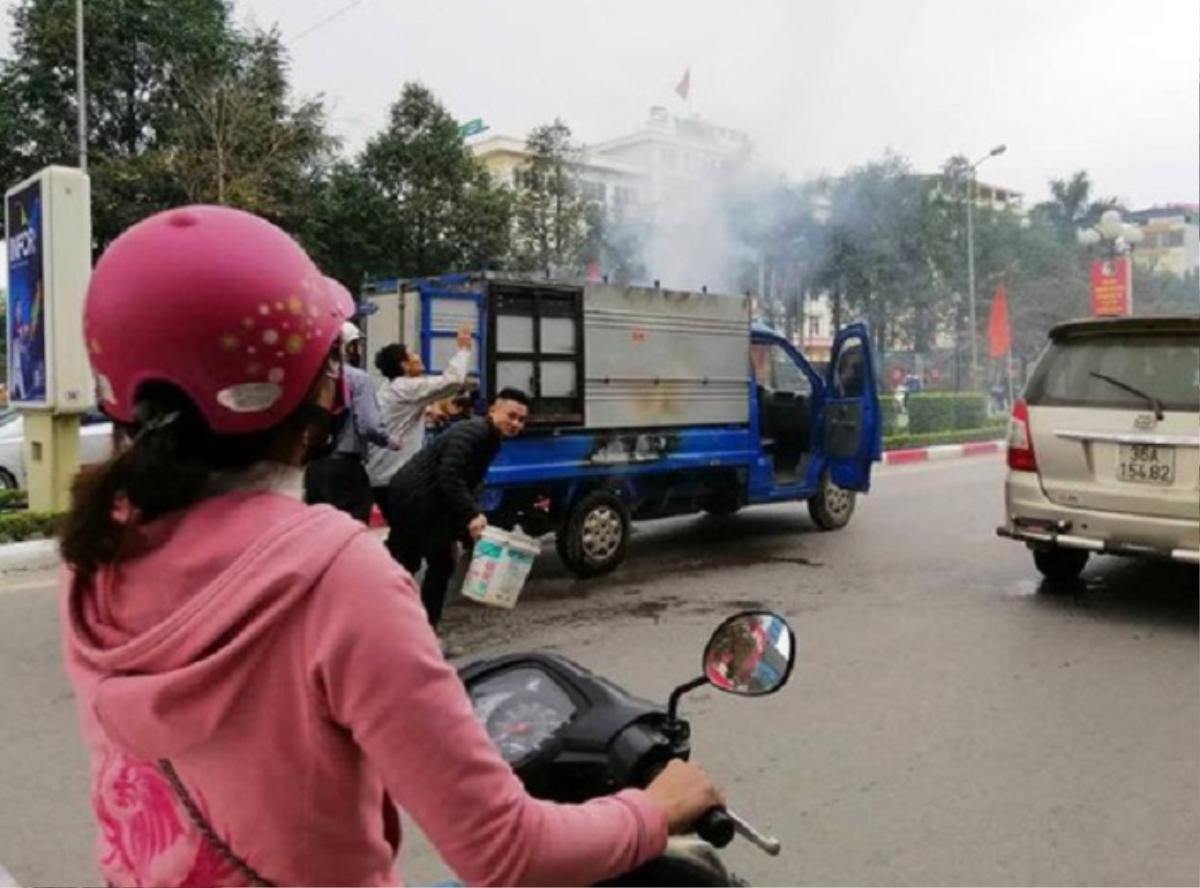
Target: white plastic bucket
499 567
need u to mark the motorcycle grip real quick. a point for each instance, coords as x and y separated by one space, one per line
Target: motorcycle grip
715 827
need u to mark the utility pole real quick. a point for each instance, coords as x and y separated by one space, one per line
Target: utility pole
80 88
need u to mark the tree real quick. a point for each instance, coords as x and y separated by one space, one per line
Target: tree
452 215
134 52
878 258
551 216
238 139
1073 205
355 231
182 107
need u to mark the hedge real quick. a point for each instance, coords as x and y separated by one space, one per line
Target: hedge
945 411
13 499
15 527
890 413
955 436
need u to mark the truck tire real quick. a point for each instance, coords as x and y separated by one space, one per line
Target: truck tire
594 539
1060 565
831 506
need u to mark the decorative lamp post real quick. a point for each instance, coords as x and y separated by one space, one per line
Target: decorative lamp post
1119 238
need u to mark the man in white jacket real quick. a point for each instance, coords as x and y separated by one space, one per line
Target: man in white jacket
403 398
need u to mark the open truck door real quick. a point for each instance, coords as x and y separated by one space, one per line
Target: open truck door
851 434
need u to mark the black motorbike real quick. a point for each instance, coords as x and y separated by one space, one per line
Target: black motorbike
571 735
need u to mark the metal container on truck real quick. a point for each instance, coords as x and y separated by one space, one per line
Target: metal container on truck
646 403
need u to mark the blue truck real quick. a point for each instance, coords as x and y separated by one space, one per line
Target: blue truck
647 403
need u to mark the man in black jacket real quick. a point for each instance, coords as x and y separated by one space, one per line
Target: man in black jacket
431 500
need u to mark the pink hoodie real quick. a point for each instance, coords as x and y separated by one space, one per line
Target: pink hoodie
282 662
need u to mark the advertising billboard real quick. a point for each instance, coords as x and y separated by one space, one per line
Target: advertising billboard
1110 287
25 330
48 232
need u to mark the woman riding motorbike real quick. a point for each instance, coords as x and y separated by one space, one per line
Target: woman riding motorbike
257 683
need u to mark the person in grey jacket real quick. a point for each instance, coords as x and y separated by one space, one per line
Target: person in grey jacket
340 479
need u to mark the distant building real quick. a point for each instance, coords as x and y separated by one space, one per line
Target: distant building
1170 238
634 174
987 195
816 339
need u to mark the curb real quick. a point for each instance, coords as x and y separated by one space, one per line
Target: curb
943 451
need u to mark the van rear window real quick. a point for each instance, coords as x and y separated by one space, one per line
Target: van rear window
1166 366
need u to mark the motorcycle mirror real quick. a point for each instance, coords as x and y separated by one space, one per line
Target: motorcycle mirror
750 654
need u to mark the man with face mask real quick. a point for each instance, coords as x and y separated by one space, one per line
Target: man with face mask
340 479
432 499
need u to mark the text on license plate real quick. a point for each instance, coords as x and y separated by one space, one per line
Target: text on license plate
1146 464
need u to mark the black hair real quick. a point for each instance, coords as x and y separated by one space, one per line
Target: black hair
512 394
390 360
164 464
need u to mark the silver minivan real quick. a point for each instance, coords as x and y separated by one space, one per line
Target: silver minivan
1104 447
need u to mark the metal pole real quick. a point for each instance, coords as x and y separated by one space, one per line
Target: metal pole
1008 369
80 90
1129 279
971 280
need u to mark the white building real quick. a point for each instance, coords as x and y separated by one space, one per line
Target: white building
651 166
662 177
1170 238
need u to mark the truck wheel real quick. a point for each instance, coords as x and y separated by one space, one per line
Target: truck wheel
596 535
831 506
1060 565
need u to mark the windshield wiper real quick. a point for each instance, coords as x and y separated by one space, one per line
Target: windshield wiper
1158 407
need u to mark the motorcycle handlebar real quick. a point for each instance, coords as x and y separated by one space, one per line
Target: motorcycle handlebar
715 827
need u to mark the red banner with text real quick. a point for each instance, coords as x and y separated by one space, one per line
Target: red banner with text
1110 287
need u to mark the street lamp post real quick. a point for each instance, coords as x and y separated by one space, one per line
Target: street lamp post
999 149
1119 238
81 92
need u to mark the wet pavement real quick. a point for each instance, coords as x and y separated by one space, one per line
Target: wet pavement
951 718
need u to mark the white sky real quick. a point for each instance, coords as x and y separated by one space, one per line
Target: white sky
1111 87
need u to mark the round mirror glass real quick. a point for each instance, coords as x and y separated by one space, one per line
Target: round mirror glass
751 654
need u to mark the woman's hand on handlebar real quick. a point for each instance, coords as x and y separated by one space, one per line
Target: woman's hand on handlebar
684 792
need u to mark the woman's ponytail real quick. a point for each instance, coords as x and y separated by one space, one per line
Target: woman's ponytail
164 463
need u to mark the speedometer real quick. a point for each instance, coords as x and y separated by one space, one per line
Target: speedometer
521 709
522 727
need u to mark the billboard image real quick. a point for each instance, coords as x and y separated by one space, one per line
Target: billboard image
26 328
1110 287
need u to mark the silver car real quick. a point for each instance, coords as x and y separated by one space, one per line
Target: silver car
95 445
1104 447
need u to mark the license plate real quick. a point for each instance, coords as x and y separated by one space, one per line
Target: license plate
1146 464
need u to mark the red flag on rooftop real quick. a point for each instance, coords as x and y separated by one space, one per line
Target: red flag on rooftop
999 331
685 84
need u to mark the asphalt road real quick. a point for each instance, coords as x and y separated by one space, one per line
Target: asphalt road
950 720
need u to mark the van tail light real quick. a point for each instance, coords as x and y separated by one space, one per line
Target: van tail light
1020 441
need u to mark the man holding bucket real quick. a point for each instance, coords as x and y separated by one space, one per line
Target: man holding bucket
433 496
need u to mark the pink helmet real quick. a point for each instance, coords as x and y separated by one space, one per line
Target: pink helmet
216 301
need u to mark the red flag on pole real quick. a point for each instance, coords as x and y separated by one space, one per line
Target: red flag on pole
685 84
999 331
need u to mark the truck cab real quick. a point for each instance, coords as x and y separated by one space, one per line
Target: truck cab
646 403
